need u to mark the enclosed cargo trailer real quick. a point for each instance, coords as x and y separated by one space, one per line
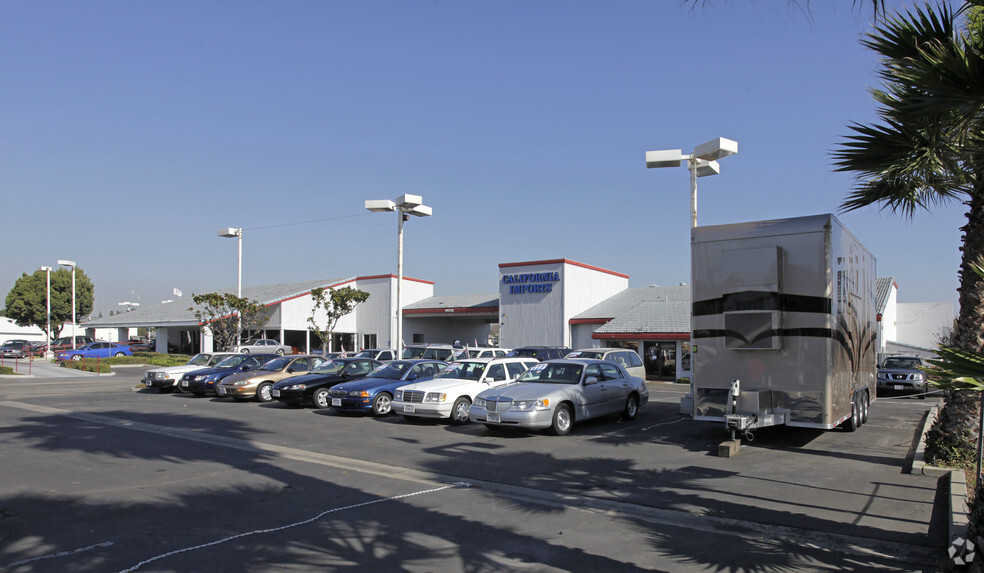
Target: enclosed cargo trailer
784 324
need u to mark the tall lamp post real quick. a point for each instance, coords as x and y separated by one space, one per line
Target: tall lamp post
66 263
701 163
237 232
47 334
404 205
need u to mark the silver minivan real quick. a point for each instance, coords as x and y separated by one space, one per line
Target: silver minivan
624 357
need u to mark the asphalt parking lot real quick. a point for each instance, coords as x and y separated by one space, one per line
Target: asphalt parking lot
99 476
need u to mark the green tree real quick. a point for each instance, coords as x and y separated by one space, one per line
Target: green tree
27 301
926 150
228 317
333 304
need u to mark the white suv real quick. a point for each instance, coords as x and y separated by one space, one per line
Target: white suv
450 393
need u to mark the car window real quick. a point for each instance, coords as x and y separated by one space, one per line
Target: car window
515 369
464 370
610 371
497 372
593 370
555 373
634 360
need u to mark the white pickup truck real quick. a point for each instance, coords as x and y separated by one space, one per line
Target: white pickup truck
166 379
450 393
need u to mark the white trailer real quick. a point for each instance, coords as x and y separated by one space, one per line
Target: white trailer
784 325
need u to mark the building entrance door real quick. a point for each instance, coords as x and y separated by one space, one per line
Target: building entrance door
660 360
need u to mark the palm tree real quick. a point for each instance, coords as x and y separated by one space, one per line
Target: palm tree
927 150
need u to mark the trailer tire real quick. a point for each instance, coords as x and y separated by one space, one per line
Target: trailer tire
853 422
865 404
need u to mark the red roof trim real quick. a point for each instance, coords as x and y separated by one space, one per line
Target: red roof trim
588 320
641 336
565 262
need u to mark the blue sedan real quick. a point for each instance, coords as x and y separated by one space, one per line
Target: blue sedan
374 393
96 350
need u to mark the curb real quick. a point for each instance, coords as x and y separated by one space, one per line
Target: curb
957 497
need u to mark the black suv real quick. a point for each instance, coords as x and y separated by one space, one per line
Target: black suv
541 353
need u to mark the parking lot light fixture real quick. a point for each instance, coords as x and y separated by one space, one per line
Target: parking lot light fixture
236 232
405 205
47 335
66 263
701 163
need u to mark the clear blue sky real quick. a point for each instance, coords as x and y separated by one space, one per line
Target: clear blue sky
133 131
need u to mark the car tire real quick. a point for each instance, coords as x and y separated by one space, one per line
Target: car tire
459 411
631 408
382 404
563 420
853 422
320 398
244 351
280 352
263 392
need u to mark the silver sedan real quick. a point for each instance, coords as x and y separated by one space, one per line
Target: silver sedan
556 393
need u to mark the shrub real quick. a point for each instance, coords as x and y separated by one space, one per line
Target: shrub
98 366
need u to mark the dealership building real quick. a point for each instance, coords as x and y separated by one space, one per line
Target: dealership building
557 302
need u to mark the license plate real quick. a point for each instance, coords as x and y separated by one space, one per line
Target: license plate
899 387
491 417
408 409
275 393
221 391
336 401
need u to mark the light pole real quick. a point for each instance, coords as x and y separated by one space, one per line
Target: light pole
65 263
47 334
701 163
404 205
237 232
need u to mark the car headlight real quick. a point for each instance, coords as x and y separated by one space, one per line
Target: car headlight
480 402
883 376
359 393
530 404
240 383
297 386
917 377
398 395
200 377
435 397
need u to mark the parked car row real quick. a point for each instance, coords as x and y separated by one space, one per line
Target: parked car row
497 391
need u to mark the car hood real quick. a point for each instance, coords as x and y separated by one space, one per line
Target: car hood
370 383
525 391
249 374
899 371
447 385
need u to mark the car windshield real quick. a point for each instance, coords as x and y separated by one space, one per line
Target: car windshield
560 373
596 354
330 367
464 370
902 363
277 364
199 360
232 361
391 371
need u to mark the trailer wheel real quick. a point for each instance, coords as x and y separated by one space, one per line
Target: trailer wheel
853 422
865 404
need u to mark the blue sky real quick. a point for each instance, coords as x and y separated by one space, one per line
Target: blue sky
133 131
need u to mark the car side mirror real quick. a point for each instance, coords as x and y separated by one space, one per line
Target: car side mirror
290 370
590 380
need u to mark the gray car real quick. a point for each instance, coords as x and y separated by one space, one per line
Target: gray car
556 393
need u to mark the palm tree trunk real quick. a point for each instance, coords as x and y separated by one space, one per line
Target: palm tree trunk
958 419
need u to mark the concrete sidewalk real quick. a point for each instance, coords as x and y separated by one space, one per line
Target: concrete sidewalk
41 368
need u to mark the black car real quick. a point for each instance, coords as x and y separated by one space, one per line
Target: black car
541 353
315 387
202 382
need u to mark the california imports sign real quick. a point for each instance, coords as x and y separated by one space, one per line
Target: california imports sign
530 283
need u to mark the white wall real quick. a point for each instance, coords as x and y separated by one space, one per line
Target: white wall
921 323
10 331
888 328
